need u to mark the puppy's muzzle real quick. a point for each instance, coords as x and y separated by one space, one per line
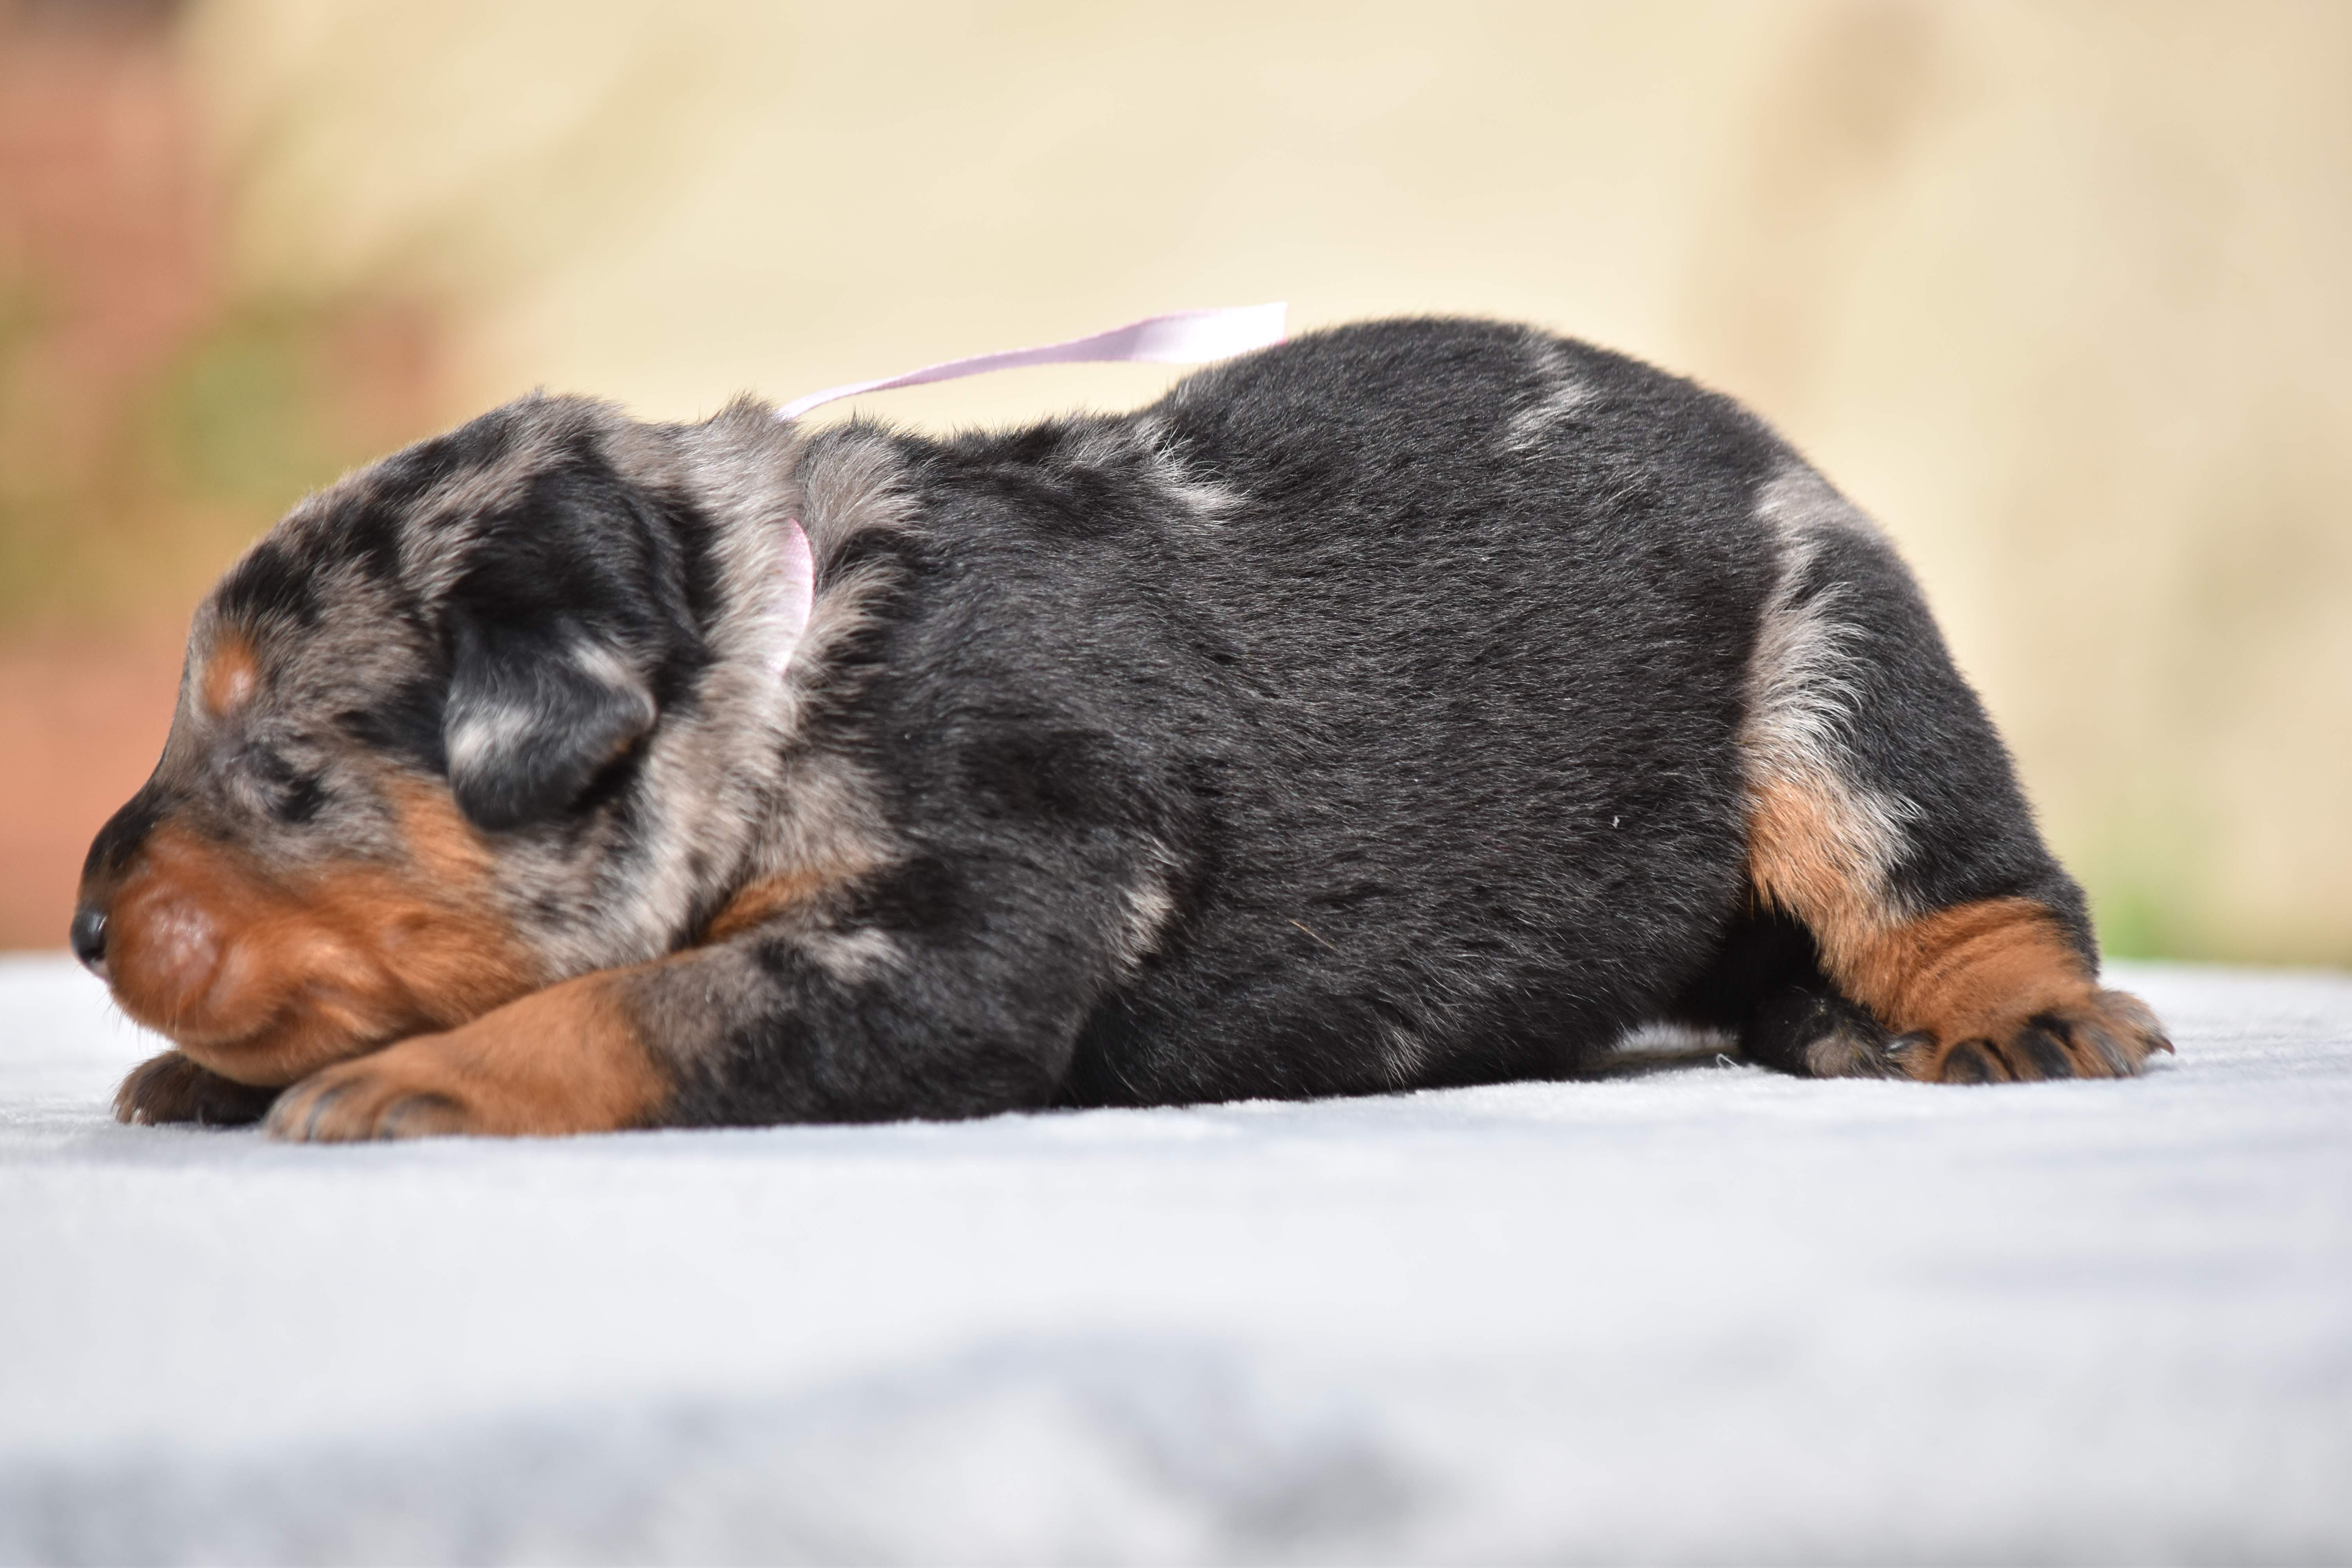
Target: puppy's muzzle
264 975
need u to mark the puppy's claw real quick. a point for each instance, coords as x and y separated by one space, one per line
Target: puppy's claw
2043 1053
421 1116
1969 1062
320 1104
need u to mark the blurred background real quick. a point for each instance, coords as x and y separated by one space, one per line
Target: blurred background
2059 293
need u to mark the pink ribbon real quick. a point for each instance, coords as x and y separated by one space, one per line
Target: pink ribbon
795 591
1183 337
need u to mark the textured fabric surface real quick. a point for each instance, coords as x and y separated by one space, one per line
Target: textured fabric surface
1692 1311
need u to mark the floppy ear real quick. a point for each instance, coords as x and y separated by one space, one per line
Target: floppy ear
535 712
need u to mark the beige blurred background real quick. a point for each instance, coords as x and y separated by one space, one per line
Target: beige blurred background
2058 291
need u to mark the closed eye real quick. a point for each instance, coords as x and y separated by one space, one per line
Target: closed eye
299 801
292 795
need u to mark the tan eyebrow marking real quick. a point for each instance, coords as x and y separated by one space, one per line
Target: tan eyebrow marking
231 674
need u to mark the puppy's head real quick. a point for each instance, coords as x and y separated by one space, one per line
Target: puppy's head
426 748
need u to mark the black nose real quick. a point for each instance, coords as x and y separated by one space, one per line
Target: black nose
88 938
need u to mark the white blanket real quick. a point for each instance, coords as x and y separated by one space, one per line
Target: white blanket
1696 1312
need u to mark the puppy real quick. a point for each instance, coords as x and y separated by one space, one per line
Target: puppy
1418 703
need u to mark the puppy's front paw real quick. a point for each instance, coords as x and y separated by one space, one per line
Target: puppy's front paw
2110 1034
403 1092
174 1088
566 1060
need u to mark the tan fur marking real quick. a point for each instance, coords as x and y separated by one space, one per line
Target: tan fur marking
1956 972
822 863
446 849
264 978
1800 859
566 1060
231 675
1975 971
1969 973
761 901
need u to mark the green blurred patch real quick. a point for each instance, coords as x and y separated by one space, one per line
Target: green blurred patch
2138 919
2160 889
123 508
236 421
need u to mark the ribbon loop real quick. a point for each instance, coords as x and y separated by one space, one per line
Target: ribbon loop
1181 337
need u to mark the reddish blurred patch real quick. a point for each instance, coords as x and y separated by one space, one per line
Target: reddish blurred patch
81 723
153 416
109 224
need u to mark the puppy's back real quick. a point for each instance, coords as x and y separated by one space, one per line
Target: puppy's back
1419 649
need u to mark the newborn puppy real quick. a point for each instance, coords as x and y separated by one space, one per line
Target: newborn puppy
1422 702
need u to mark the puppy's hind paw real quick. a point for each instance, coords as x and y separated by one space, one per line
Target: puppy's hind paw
2110 1034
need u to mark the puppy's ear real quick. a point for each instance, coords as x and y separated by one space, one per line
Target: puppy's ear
535 712
568 615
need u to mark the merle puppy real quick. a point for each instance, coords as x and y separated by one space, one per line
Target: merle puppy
1422 702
